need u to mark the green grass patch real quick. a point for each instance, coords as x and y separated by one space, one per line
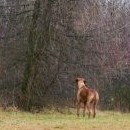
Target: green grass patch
57 121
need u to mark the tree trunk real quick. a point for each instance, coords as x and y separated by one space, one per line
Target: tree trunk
38 42
30 68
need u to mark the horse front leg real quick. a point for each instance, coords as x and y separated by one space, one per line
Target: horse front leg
84 109
78 108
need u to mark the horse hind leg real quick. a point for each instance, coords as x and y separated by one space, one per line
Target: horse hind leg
89 111
94 109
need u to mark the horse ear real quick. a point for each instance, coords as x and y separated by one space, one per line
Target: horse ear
76 79
84 81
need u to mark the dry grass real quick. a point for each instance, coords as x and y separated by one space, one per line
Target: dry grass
57 121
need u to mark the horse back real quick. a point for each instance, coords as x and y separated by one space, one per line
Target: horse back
88 94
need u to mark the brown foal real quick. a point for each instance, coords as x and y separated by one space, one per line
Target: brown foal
89 97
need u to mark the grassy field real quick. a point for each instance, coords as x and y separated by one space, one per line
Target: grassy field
57 121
